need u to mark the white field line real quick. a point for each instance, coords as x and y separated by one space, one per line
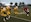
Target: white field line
21 18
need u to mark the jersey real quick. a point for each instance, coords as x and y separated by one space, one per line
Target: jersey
3 12
16 10
8 10
25 8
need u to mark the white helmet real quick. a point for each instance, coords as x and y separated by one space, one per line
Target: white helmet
8 6
4 8
16 6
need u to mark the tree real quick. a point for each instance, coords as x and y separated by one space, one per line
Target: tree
0 4
11 4
20 4
16 4
23 3
29 4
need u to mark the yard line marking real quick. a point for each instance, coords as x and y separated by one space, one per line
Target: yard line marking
21 18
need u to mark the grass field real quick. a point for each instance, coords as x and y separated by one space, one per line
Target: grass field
12 19
23 15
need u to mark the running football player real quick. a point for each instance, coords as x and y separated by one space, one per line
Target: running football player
3 13
8 9
16 9
26 9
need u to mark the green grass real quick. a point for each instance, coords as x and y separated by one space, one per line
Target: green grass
13 20
23 15
20 16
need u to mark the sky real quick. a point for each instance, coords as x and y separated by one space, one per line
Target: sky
8 1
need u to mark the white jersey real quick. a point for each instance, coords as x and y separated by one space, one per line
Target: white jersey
27 10
4 9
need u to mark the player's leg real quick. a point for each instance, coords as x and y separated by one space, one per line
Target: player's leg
28 14
4 19
9 14
8 17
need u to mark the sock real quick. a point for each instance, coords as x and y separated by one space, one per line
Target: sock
27 14
4 20
9 16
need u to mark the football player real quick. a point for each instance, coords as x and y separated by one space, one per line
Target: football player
8 9
16 10
26 9
3 13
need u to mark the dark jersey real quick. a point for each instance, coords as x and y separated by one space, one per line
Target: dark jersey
25 8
